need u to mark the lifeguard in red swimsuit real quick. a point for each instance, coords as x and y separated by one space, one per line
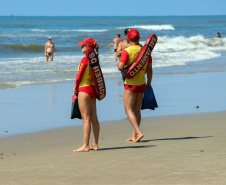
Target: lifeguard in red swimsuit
84 88
135 87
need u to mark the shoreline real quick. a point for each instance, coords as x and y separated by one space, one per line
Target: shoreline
177 150
215 65
158 71
48 106
8 136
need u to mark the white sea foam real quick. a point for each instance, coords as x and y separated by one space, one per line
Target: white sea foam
169 51
38 30
155 27
88 30
78 30
151 27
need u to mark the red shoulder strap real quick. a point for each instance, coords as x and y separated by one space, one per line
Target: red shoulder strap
81 70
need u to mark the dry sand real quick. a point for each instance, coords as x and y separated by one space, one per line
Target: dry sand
184 149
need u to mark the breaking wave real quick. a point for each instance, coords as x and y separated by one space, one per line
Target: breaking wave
78 30
151 27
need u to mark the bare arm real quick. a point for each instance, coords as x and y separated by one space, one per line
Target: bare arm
123 61
119 49
149 74
97 49
54 48
45 49
121 66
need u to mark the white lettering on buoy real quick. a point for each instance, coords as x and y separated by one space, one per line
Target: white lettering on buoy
141 63
143 57
100 79
152 42
98 76
91 55
93 60
102 96
132 73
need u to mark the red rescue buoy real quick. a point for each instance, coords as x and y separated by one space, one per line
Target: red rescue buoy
142 57
96 73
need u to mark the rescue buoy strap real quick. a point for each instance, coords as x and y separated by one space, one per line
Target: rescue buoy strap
94 64
149 47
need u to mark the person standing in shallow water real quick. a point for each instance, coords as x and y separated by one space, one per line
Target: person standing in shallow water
116 42
123 45
135 87
84 88
49 49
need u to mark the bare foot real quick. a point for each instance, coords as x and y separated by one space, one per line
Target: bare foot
138 138
131 139
136 141
94 146
82 149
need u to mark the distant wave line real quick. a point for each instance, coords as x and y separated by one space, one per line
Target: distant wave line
151 27
79 30
24 47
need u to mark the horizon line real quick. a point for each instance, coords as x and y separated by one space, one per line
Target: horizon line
11 15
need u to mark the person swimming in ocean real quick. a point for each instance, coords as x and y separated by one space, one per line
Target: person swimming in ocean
49 49
218 35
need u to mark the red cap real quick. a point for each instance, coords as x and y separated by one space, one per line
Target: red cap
133 35
89 42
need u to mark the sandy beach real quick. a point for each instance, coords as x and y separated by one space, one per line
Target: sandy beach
183 149
182 144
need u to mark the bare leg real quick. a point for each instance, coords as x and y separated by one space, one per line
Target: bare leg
137 111
84 106
51 57
47 58
115 56
133 136
129 98
95 124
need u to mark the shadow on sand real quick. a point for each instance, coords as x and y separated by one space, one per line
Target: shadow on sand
126 147
147 146
179 138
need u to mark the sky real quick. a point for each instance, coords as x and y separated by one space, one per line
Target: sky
111 7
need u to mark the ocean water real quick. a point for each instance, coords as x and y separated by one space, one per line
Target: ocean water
186 44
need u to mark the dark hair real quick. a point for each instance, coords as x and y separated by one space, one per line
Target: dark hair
118 34
126 31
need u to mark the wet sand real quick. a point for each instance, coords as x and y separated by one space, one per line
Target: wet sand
182 149
47 106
